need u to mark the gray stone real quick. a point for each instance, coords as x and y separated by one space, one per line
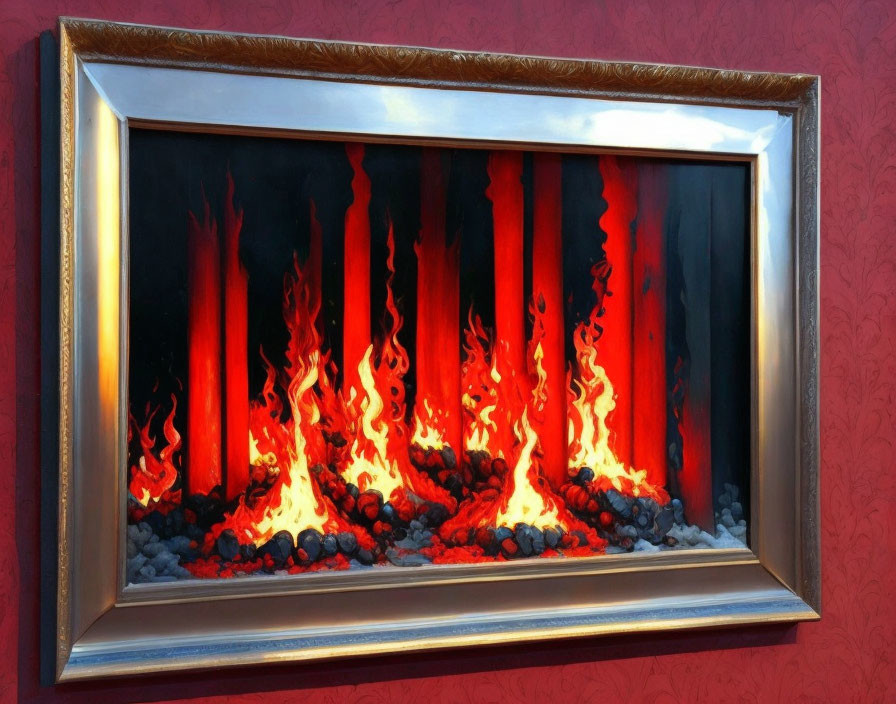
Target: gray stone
153 548
227 544
727 519
403 559
552 537
537 541
311 542
364 556
330 544
279 548
134 565
642 545
524 539
627 532
737 510
147 572
348 543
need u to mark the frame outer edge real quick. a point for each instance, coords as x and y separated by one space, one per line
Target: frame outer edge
96 40
66 341
808 332
164 47
49 348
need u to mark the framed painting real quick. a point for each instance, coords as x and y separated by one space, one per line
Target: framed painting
370 348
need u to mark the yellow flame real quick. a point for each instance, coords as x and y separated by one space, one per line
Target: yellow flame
526 504
539 393
257 459
425 432
477 436
376 471
594 402
298 507
254 454
145 494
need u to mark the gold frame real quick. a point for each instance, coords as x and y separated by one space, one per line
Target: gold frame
106 628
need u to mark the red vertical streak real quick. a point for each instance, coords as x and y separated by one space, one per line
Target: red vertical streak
695 478
356 311
547 293
204 355
505 191
650 327
615 352
438 302
236 362
505 169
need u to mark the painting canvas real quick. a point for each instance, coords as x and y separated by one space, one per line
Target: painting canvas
348 355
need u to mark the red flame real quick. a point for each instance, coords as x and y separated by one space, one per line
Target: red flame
155 472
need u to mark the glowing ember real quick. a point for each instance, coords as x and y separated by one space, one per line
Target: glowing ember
155 473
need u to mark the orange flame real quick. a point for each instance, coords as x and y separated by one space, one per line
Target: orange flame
536 359
528 501
429 427
379 431
370 465
591 399
155 473
378 455
289 449
526 497
480 390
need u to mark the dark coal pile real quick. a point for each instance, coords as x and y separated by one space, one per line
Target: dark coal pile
171 543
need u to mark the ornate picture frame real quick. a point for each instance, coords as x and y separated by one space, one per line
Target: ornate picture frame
118 77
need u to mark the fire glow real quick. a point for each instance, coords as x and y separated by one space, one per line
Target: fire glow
506 449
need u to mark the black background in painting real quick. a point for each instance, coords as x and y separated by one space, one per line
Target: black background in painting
172 173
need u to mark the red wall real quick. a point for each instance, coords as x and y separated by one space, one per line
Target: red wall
849 655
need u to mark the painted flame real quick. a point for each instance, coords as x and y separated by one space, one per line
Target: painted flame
528 502
481 383
288 449
299 506
429 428
591 399
155 472
380 430
589 436
369 465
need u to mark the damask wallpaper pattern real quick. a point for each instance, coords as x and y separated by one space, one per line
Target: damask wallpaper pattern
848 656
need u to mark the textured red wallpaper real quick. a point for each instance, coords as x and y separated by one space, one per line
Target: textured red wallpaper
849 655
